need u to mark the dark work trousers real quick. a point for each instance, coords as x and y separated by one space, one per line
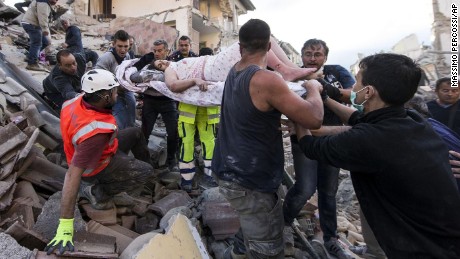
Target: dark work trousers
153 106
261 220
91 55
124 173
309 175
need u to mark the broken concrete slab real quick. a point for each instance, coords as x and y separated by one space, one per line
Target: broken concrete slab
48 220
9 248
180 241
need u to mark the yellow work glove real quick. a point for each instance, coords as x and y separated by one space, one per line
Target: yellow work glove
63 239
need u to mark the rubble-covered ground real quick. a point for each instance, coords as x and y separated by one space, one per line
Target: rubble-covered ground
32 169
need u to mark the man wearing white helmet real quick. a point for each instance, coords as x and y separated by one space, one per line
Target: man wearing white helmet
97 153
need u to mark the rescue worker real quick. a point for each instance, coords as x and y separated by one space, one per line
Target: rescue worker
96 152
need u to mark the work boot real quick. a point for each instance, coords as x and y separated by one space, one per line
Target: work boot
86 192
333 248
35 67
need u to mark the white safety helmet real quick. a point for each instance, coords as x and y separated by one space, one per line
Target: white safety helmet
98 79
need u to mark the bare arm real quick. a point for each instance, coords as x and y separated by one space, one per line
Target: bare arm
269 91
323 131
177 85
69 191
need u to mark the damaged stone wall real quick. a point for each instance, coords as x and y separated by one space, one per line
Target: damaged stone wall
441 33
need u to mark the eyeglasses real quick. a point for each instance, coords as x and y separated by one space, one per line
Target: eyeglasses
316 55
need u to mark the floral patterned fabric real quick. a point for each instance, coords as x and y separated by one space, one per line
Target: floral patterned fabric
191 67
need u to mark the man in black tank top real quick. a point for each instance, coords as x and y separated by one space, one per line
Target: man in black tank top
248 158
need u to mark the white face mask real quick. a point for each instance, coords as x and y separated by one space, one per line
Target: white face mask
359 107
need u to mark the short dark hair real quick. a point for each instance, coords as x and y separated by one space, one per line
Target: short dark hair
394 76
62 53
315 42
121 35
184 37
442 81
205 51
160 42
254 35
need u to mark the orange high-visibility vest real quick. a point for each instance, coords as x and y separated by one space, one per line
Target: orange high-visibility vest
79 123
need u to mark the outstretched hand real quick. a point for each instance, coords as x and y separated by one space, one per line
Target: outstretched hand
63 241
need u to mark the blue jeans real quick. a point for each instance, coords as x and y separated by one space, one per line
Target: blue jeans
37 40
124 109
168 110
261 220
309 175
